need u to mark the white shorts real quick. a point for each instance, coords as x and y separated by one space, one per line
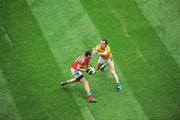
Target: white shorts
76 74
101 60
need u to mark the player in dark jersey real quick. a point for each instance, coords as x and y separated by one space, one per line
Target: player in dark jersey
82 64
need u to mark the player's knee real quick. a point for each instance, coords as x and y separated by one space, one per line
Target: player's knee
113 71
97 68
84 81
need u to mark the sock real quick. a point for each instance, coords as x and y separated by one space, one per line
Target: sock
89 93
104 66
69 81
117 82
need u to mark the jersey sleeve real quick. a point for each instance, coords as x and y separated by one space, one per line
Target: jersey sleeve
107 49
97 48
81 61
88 62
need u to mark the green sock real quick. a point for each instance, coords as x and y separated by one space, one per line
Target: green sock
89 93
104 66
117 82
69 81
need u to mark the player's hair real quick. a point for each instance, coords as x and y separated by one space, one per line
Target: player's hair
105 40
88 52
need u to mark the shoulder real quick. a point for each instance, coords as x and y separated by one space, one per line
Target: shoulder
82 59
108 48
97 47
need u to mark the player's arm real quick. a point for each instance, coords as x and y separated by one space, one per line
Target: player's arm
103 53
94 51
80 69
88 67
107 50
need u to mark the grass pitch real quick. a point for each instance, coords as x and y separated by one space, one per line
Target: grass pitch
40 39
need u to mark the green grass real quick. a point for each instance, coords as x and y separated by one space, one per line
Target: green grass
164 17
40 39
30 69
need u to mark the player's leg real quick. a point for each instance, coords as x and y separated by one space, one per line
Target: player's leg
77 75
86 86
87 89
99 64
114 74
73 80
104 65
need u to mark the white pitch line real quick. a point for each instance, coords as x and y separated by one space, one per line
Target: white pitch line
7 37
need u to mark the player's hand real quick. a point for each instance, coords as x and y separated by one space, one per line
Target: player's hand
91 71
94 51
87 70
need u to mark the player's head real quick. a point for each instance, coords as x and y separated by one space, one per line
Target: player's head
88 54
103 43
